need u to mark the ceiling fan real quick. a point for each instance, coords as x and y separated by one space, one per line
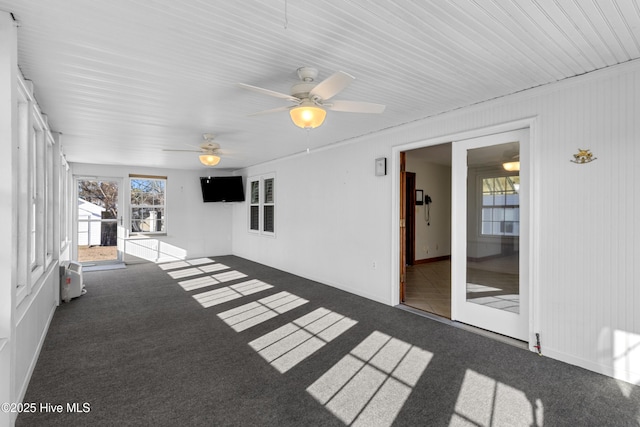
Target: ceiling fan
511 159
311 99
209 151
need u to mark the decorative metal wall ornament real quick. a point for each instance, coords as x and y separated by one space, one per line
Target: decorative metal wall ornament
583 156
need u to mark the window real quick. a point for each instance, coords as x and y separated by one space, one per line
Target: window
25 205
35 202
64 191
49 199
262 204
33 198
501 206
268 207
254 210
148 204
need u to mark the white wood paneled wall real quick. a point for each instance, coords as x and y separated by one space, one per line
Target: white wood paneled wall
585 233
588 231
587 238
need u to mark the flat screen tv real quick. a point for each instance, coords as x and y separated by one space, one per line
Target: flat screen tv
222 189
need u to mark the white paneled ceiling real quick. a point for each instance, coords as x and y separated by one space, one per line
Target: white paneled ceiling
124 79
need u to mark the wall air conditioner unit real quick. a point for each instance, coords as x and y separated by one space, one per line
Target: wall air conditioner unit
71 284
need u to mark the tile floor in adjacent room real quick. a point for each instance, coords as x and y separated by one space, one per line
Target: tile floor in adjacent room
493 283
428 287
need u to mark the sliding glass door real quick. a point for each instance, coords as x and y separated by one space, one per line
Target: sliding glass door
491 240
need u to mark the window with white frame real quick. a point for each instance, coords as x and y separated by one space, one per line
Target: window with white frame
148 204
33 198
35 222
64 189
254 205
262 204
49 199
500 206
25 208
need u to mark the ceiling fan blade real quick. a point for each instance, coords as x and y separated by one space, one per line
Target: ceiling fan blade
184 151
273 110
269 92
330 86
355 107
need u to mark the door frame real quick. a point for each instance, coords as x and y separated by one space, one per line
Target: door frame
119 228
396 151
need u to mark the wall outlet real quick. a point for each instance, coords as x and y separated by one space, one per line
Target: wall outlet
374 265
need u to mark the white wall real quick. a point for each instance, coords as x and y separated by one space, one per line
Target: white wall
332 220
194 228
8 136
432 241
28 294
33 316
335 218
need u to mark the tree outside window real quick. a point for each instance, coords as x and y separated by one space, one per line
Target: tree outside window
148 204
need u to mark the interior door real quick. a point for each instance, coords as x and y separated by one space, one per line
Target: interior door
403 222
98 220
410 217
490 246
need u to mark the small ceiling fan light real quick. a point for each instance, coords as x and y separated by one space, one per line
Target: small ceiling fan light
307 116
511 166
209 159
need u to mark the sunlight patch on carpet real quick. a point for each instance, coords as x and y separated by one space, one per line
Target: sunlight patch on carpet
229 293
212 267
185 263
485 402
370 385
197 283
256 312
290 344
229 276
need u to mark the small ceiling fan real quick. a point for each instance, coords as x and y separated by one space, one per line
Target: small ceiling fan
311 99
209 151
511 160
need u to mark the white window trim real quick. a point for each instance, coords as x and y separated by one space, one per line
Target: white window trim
250 182
24 198
131 206
261 204
49 185
35 252
65 189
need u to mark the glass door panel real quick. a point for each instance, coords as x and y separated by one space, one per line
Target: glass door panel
493 240
97 220
490 245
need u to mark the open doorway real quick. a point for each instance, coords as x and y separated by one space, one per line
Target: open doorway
427 261
97 219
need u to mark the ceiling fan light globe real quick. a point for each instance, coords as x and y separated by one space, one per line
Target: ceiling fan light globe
209 159
511 166
306 116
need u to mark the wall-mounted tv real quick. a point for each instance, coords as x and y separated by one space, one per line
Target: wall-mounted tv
222 189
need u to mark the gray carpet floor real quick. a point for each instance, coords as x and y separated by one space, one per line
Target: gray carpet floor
228 342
